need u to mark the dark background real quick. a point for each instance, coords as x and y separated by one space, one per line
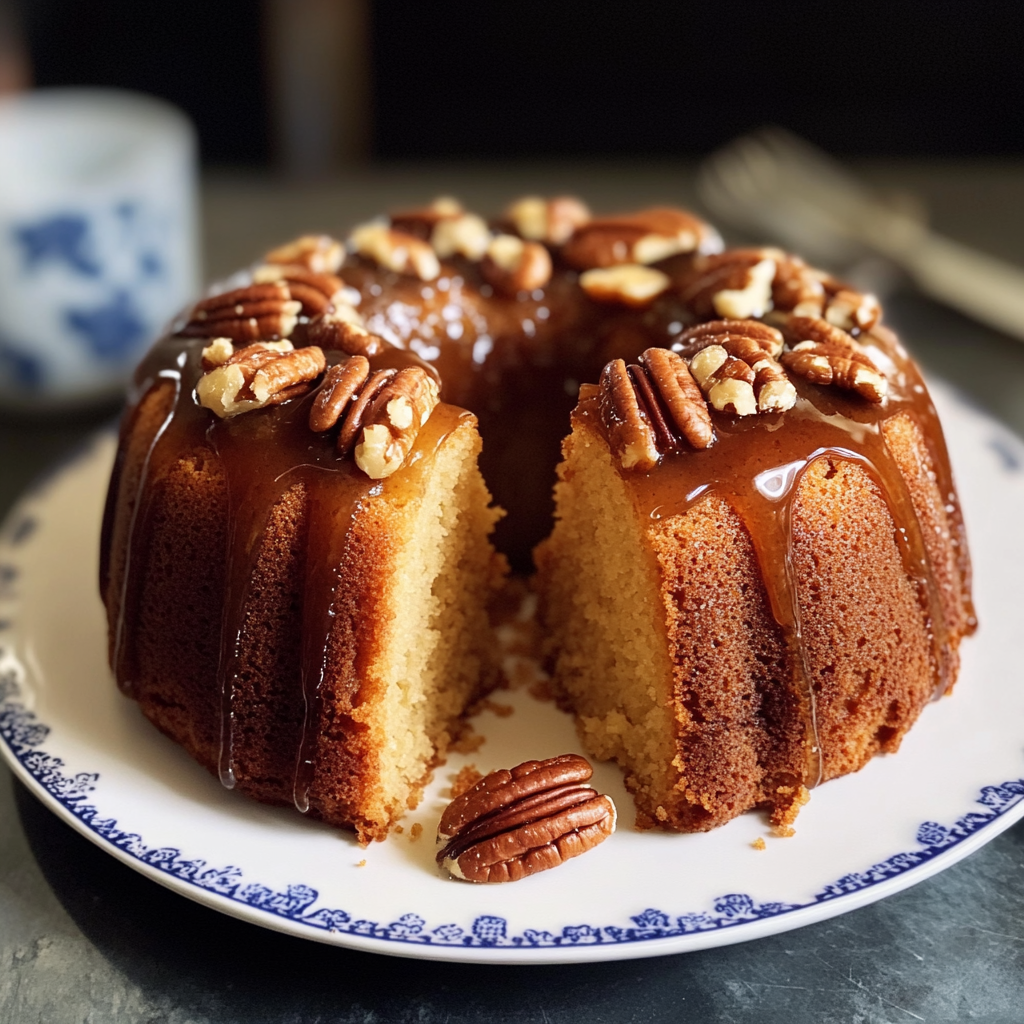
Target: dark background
537 78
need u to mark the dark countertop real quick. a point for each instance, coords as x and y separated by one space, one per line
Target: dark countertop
84 938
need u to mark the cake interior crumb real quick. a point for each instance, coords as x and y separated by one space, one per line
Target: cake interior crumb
415 832
361 864
759 844
466 779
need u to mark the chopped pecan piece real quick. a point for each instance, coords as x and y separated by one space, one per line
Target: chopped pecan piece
754 345
736 284
319 253
253 313
548 220
467 235
629 285
643 237
422 220
848 309
317 291
512 265
389 407
266 373
516 822
395 250
825 354
342 330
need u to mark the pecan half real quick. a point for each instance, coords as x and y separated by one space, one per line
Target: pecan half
256 312
749 343
647 408
317 291
389 407
516 822
552 221
512 265
395 250
342 330
825 354
319 253
266 373
643 237
629 284
422 220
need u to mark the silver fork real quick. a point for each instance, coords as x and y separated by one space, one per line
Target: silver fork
784 188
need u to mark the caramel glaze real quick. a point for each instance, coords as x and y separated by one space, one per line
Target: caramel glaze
756 465
262 454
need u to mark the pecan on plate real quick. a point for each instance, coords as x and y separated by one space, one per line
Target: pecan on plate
380 414
734 363
319 253
395 250
647 408
825 354
512 265
551 221
265 373
254 313
516 822
318 291
646 236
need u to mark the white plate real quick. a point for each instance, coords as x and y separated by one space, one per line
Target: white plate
89 755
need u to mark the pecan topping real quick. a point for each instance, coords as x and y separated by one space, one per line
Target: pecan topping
736 284
317 291
644 237
395 250
467 235
389 407
548 220
342 330
825 354
257 312
646 408
629 285
847 309
319 253
266 373
514 823
422 220
512 265
751 346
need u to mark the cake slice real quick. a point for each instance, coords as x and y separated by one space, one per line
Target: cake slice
309 632
742 606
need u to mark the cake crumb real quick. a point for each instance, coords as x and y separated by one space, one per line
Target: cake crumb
466 779
468 741
399 829
361 864
785 831
759 844
415 832
541 690
501 710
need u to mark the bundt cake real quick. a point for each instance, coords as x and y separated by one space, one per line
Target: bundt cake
757 576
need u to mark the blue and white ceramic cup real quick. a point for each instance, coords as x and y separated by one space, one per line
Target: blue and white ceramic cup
98 239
